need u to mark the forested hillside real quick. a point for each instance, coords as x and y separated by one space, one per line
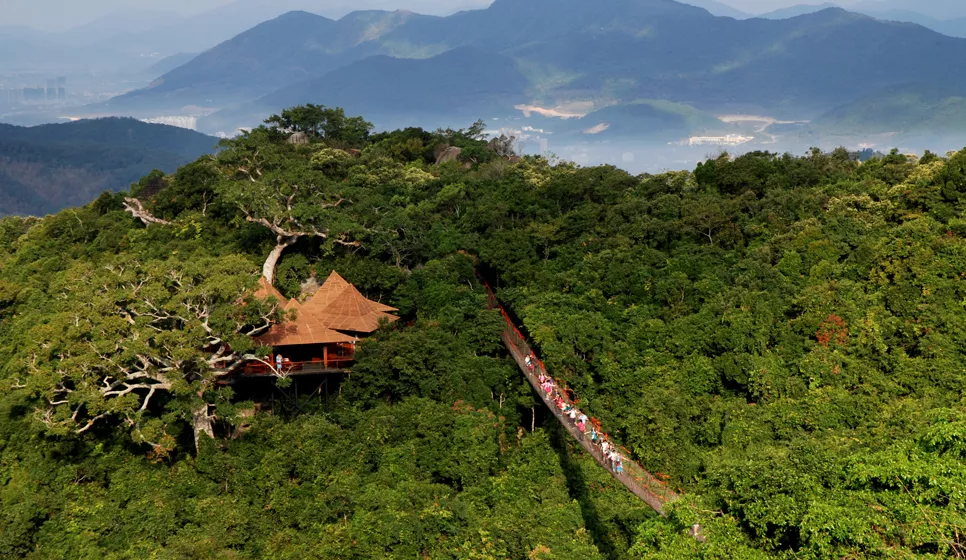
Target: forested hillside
783 337
46 168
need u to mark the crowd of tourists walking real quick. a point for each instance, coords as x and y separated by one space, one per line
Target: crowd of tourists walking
588 427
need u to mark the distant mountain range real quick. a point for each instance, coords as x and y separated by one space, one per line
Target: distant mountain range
716 8
274 54
890 11
911 109
937 9
137 38
47 168
797 10
397 67
458 87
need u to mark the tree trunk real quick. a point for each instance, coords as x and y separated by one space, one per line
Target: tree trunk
202 424
137 210
268 269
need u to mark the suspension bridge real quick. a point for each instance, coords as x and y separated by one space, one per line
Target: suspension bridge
653 491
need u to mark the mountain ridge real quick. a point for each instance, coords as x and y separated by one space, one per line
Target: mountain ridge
49 167
464 80
575 51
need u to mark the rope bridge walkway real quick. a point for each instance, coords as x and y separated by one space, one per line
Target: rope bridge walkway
642 483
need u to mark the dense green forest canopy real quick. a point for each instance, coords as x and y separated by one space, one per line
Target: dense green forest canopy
782 336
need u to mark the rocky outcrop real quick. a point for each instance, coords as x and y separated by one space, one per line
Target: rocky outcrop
449 153
298 138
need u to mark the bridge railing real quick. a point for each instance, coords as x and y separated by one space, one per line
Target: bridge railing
642 483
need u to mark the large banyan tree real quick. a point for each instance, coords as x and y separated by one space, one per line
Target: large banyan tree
143 344
274 186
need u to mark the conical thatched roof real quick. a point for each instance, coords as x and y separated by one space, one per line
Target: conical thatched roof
266 291
304 330
382 307
330 291
336 306
351 311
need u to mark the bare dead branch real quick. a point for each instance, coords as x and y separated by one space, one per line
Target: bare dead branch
90 424
137 210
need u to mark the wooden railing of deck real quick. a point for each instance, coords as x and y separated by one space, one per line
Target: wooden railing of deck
330 365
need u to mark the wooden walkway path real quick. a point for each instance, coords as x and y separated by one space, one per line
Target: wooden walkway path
643 484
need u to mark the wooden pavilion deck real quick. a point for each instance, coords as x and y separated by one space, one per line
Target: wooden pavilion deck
314 367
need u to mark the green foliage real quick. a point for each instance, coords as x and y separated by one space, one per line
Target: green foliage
329 124
782 337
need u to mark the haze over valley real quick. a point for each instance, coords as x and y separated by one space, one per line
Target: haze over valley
647 84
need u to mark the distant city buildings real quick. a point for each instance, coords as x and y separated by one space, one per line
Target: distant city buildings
34 95
53 92
11 96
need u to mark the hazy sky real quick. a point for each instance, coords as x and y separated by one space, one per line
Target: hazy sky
46 14
62 14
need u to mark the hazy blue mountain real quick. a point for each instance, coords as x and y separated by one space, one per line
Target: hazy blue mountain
805 64
50 167
824 59
937 9
798 10
902 109
640 119
514 25
568 50
300 45
881 10
169 63
128 21
118 41
453 88
953 27
716 8
659 49
336 9
279 52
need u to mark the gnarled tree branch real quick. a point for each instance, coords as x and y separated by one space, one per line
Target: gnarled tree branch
138 210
